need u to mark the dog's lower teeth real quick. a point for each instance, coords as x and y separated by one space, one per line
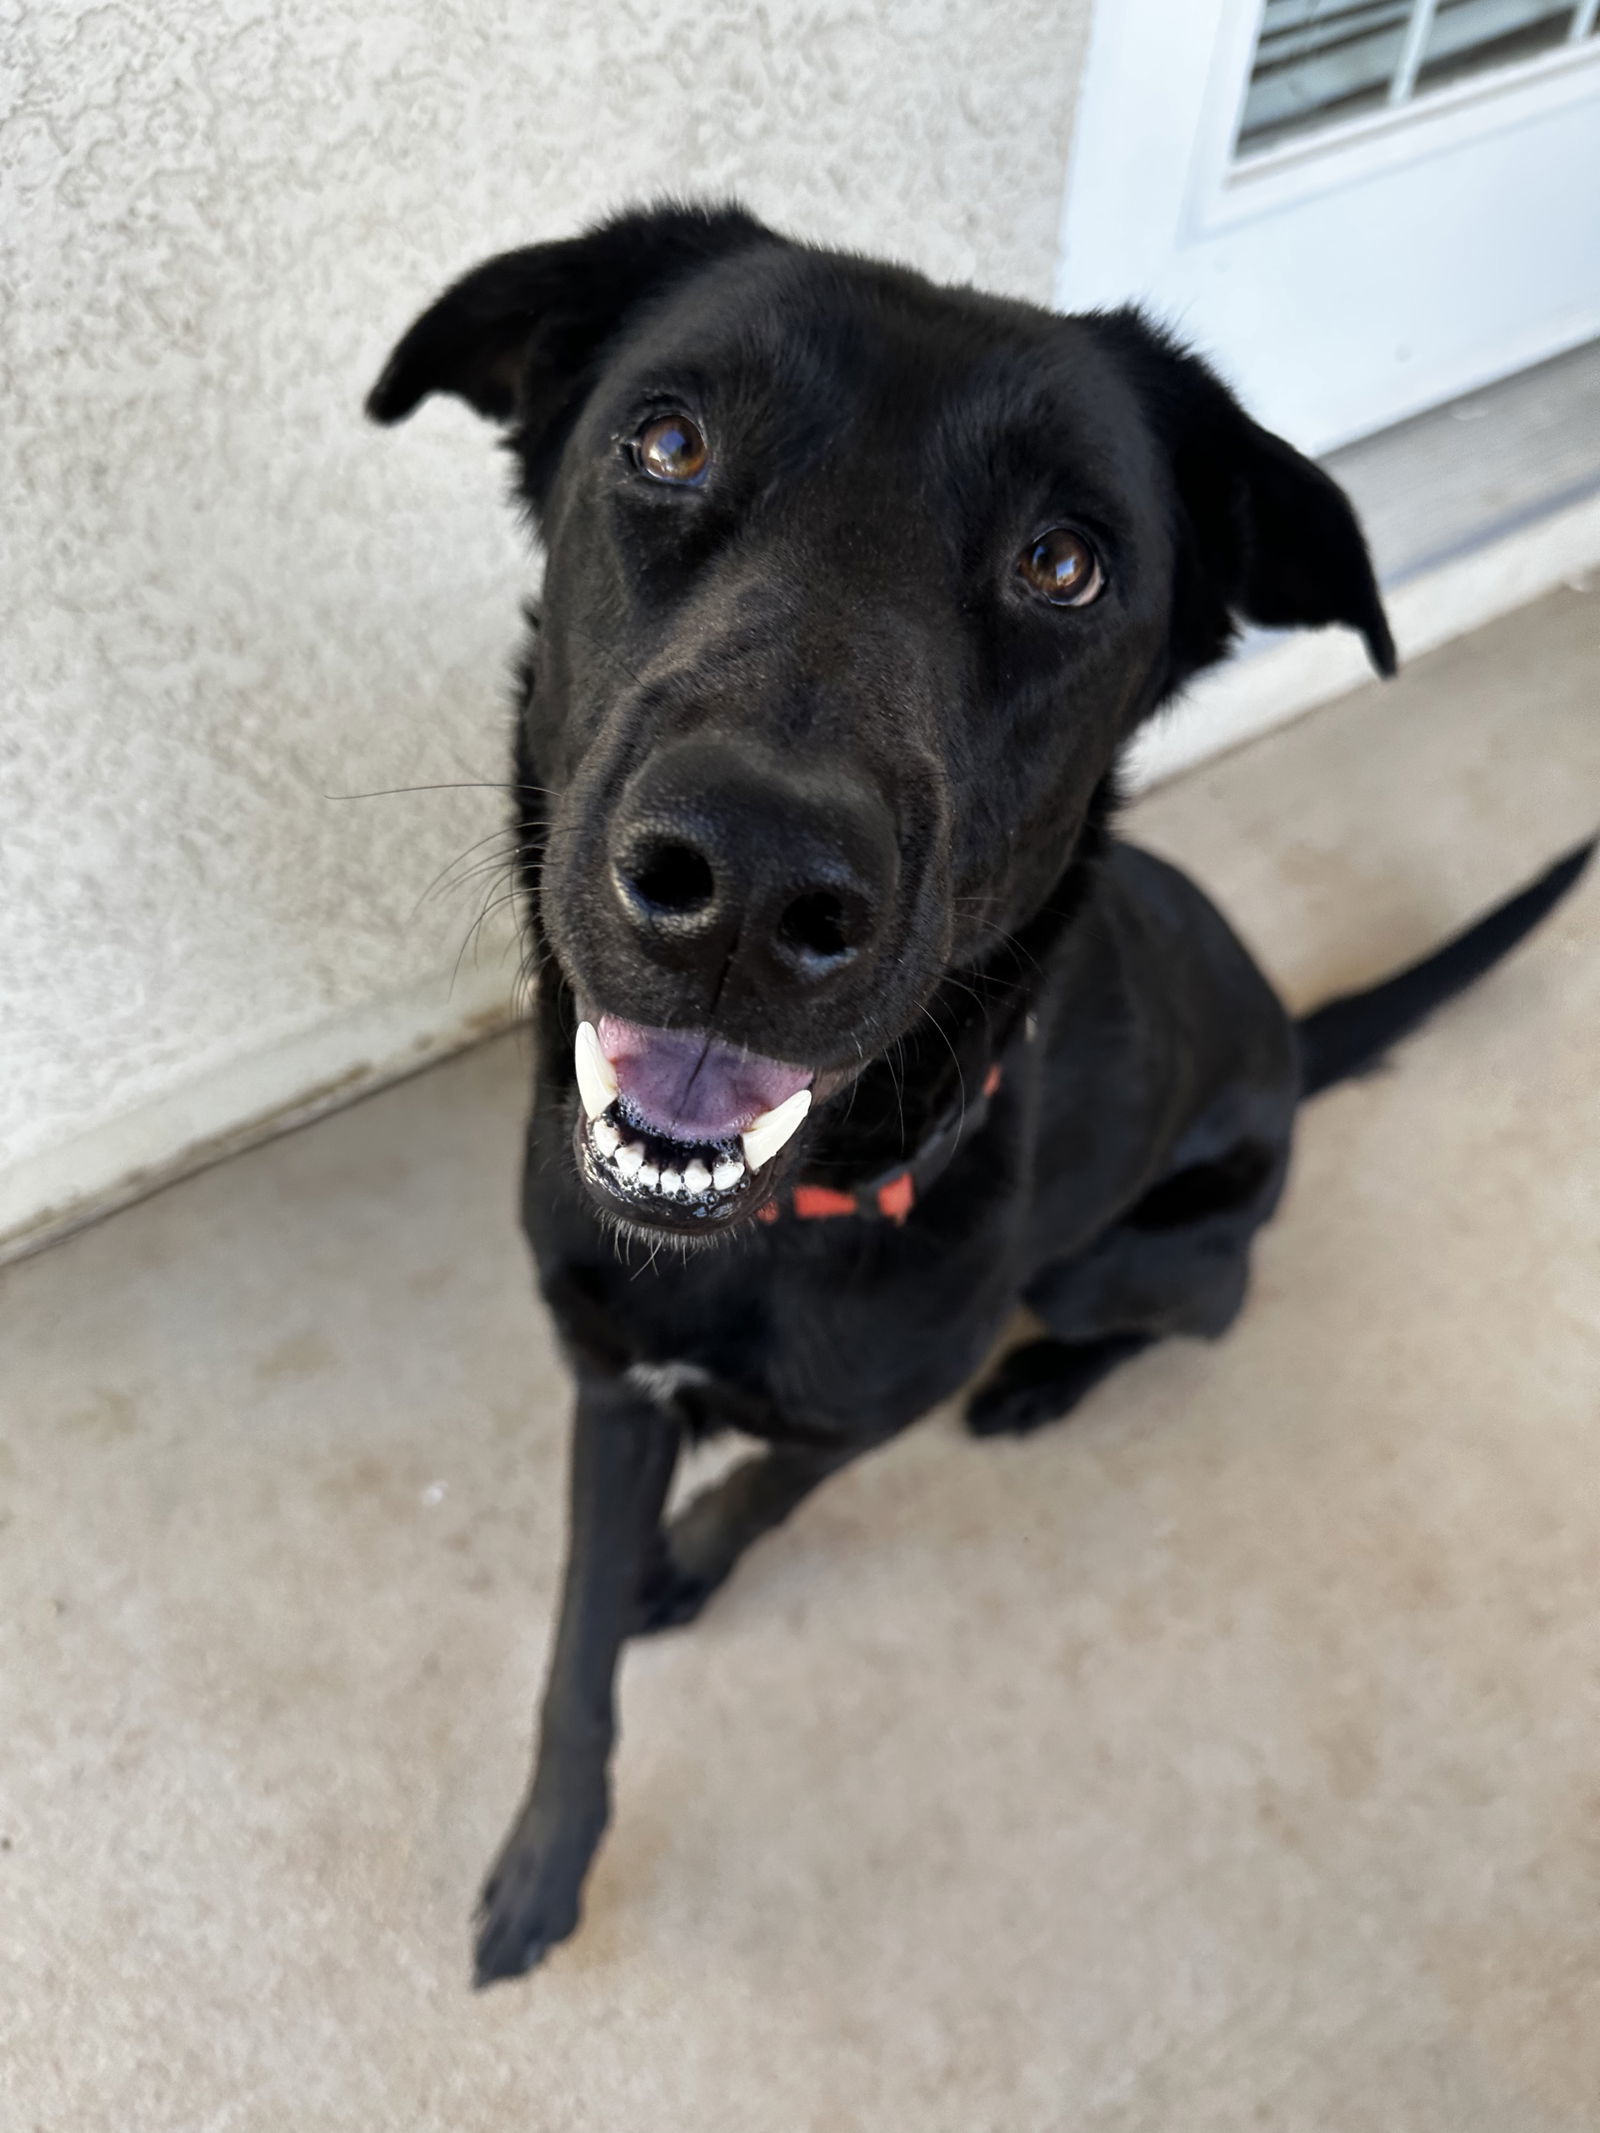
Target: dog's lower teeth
629 1165
626 1160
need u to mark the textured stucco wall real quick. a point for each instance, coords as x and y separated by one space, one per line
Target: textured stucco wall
226 597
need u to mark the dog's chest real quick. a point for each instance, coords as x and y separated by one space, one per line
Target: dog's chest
841 1330
845 1338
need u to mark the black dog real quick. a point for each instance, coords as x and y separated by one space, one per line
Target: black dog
856 1026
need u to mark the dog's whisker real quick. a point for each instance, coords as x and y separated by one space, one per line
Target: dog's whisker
475 930
448 879
390 792
498 865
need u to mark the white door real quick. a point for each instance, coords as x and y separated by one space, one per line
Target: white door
1357 208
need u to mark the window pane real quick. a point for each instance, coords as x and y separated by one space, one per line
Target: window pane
1469 36
1318 62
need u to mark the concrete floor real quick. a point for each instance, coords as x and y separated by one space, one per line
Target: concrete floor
1227 1757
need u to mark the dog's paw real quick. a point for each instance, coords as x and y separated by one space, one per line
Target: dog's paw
518 1924
670 1596
1042 1381
1025 1392
531 1899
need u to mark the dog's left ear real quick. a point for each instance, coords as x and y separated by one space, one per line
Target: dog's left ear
1265 534
520 338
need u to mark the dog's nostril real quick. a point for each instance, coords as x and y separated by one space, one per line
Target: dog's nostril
671 877
817 925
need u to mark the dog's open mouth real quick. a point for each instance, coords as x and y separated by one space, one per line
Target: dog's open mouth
678 1127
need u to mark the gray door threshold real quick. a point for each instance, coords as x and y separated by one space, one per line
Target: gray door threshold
1478 469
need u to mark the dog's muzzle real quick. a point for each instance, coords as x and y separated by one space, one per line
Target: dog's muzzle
677 1128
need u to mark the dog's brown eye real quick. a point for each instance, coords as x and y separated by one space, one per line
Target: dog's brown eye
1062 568
672 449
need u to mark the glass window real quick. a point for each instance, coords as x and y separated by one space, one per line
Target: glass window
1318 62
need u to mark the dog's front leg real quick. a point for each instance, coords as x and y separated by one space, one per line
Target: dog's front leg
623 1451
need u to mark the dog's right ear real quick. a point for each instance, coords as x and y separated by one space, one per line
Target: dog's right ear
519 338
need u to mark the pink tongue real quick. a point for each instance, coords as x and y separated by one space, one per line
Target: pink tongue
690 1087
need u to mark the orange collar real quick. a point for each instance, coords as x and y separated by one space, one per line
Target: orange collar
891 1197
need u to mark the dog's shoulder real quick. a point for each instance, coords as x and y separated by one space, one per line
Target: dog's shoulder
1155 984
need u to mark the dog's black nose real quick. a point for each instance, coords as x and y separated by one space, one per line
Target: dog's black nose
721 856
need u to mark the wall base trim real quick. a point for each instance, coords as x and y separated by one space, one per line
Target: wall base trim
1278 677
234 1107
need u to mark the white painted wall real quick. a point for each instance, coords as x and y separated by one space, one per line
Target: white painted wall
225 598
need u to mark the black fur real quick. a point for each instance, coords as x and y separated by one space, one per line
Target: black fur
826 651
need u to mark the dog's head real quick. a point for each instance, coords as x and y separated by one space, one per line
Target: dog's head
856 588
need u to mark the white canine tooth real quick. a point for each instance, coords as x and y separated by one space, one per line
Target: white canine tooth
762 1140
649 1177
597 1082
605 1136
671 1181
628 1159
727 1174
696 1177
